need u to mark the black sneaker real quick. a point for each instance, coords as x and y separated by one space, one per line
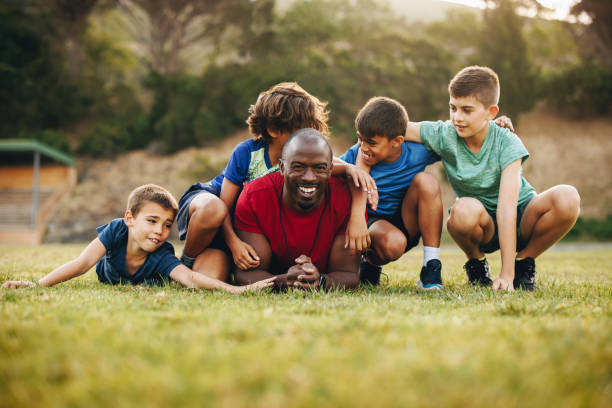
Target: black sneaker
431 276
478 272
369 273
524 274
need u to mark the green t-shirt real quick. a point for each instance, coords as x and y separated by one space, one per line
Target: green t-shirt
477 175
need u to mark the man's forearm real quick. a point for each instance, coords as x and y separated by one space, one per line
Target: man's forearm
248 277
341 280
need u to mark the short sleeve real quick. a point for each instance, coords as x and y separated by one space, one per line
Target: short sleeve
350 156
342 203
432 134
512 149
167 261
108 233
244 216
238 164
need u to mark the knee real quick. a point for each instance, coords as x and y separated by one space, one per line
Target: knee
391 247
209 214
566 202
221 275
464 215
427 184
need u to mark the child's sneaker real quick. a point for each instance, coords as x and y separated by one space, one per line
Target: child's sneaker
524 274
478 272
369 273
431 276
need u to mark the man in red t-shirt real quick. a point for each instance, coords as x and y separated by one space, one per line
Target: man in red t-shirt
296 219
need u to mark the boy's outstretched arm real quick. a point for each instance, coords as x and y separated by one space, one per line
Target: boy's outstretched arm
195 280
360 178
363 189
357 237
413 132
245 256
506 222
84 262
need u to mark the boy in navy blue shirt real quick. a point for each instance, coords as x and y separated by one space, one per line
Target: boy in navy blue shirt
409 201
134 249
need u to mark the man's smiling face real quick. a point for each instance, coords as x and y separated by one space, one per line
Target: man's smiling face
306 168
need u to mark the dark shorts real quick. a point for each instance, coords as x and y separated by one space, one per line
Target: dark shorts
493 245
182 217
396 221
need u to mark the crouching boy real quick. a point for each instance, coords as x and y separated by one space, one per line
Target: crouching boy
134 249
496 207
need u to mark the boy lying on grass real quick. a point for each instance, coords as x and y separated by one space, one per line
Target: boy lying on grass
134 249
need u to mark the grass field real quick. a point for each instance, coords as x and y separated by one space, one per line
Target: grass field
84 344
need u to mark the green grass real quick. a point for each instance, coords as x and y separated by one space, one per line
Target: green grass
82 343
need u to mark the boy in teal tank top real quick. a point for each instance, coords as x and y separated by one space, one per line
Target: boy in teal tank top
496 207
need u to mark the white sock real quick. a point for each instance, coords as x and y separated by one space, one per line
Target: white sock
430 253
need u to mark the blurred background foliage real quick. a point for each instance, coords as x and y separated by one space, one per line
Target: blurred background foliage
99 77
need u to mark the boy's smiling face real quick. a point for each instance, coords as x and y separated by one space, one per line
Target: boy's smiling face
150 227
379 148
469 116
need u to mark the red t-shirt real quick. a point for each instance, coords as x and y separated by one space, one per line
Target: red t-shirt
257 211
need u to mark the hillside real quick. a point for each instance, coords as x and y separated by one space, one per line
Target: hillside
562 151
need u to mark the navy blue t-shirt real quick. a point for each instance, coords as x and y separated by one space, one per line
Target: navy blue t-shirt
111 268
393 179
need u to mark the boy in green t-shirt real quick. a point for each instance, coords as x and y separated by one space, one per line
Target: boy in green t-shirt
496 208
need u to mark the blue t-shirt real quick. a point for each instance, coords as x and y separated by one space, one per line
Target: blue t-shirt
393 179
111 268
249 160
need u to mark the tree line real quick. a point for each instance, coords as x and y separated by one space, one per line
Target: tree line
99 77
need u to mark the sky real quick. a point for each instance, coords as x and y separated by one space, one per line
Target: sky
560 7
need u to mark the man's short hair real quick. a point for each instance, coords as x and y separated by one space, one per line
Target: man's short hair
382 116
307 136
150 193
481 82
284 108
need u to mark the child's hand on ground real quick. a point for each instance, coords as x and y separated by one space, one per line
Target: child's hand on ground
356 236
18 284
254 287
245 257
362 179
505 122
503 284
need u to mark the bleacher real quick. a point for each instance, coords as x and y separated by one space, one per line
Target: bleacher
27 166
16 206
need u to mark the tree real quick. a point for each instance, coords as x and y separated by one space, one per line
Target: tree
600 14
171 32
64 22
503 47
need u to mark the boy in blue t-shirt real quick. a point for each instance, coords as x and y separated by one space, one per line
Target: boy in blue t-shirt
496 207
409 200
204 217
134 249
